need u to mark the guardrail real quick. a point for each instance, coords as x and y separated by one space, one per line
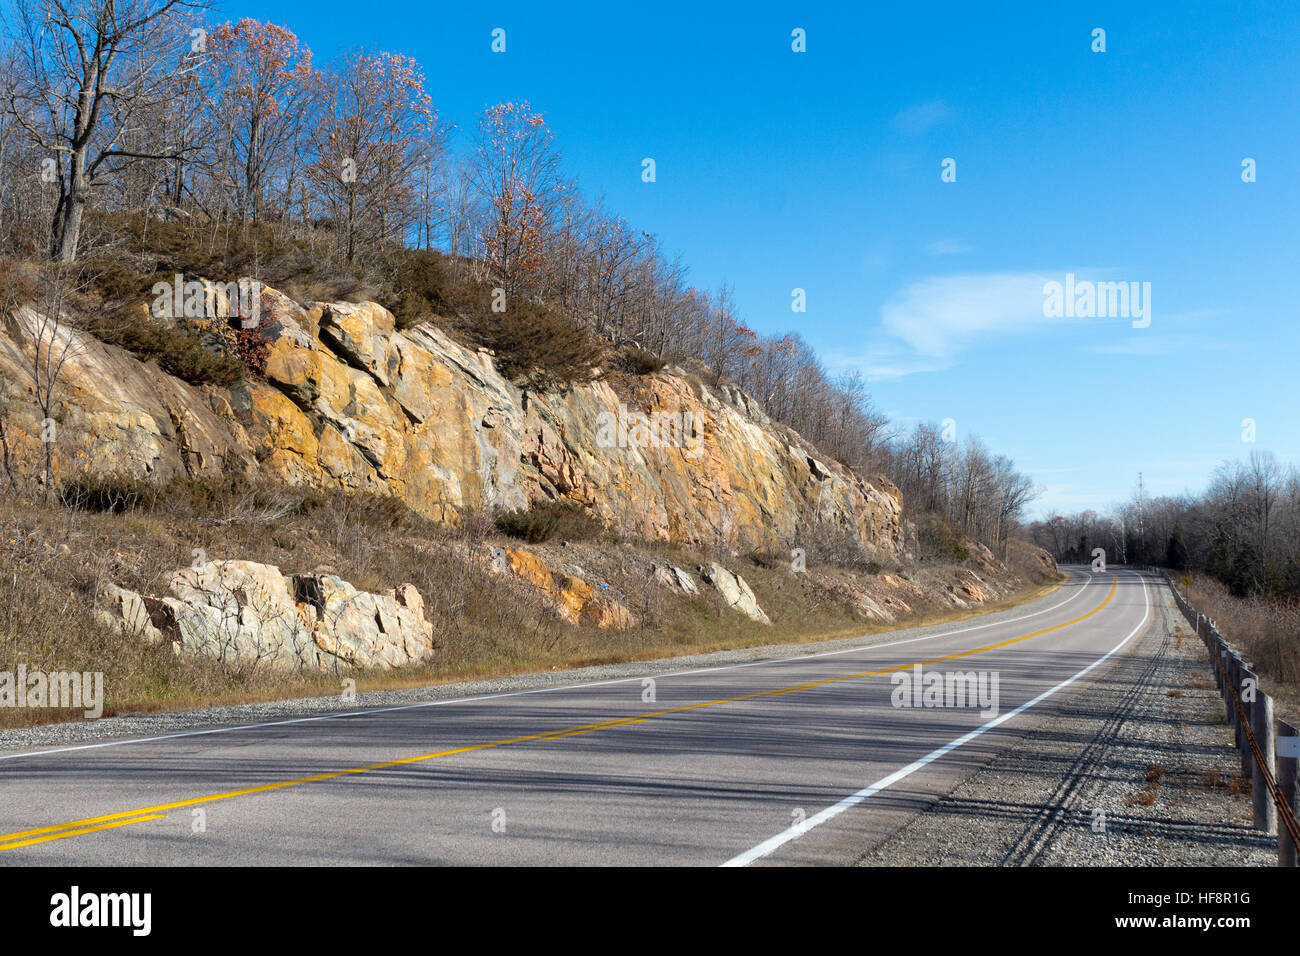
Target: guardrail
1270 749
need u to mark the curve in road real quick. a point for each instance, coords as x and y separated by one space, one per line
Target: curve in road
733 764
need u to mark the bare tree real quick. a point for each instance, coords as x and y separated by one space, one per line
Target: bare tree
726 337
262 87
5 458
88 72
515 176
377 130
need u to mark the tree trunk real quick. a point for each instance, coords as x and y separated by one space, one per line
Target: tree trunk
253 169
49 470
4 446
351 226
72 203
69 237
65 232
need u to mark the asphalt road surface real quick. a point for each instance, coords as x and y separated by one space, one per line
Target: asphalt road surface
799 760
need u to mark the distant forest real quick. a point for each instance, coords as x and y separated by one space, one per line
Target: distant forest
1243 530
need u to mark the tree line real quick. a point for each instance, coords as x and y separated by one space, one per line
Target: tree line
1244 529
949 486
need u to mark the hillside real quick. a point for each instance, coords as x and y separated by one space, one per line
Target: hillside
388 504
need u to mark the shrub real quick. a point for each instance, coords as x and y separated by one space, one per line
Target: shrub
251 348
122 318
535 344
937 538
116 492
178 351
118 285
385 514
639 361
549 520
417 286
830 543
281 256
531 341
17 285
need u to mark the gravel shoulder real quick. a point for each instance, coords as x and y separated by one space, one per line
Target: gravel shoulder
1137 768
128 726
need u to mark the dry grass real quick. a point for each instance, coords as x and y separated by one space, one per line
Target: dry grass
1266 631
1236 784
1150 792
55 560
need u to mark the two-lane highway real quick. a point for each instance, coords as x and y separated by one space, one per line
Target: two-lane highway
802 759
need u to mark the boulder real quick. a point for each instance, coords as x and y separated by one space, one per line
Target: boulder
249 615
671 576
125 610
734 591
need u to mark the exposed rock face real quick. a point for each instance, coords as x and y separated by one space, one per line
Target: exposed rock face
349 402
114 413
246 614
734 591
126 611
671 576
573 599
969 588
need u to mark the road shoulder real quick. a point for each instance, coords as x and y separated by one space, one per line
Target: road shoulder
1136 768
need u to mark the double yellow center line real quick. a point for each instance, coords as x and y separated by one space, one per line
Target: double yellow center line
12 841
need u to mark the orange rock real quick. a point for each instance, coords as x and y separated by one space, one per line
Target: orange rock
348 401
574 600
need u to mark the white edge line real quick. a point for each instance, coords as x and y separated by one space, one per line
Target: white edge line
771 844
208 731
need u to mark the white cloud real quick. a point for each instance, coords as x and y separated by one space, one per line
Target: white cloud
927 324
920 119
1144 344
886 371
885 363
947 247
938 317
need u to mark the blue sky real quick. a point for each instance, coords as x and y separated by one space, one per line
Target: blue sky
821 170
